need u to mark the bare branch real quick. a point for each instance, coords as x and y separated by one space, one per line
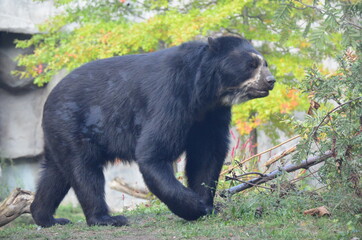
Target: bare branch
251 173
310 6
254 185
280 155
120 185
302 177
16 204
288 168
354 25
259 154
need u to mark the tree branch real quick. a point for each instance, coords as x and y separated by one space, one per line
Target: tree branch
17 203
324 12
254 185
330 112
310 6
259 154
355 25
288 168
280 155
120 185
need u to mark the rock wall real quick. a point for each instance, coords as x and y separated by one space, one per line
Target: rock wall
20 124
21 104
23 16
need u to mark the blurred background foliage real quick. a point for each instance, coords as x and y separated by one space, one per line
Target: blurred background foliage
292 36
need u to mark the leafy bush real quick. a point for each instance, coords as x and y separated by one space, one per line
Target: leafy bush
336 126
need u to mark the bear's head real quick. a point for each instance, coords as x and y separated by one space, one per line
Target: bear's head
243 71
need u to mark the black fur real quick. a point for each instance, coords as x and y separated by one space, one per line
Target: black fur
149 108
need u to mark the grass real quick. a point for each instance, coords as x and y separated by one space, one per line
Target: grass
278 218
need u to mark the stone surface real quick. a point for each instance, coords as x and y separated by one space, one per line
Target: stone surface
20 121
20 124
8 54
23 16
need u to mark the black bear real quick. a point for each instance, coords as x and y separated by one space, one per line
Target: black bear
148 108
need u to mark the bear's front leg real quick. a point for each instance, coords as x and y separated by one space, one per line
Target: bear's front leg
155 153
182 201
206 150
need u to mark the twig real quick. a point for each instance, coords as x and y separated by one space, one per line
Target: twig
120 185
251 173
330 112
288 168
302 177
324 12
355 25
257 155
310 6
280 155
315 190
233 32
254 185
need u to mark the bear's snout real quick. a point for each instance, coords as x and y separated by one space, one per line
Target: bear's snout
270 80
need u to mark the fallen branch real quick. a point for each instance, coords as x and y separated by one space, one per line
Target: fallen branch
259 154
280 155
274 174
120 185
17 203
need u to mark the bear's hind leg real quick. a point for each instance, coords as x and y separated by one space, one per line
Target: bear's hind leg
88 184
50 192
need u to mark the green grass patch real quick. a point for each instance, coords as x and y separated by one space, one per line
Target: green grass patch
256 215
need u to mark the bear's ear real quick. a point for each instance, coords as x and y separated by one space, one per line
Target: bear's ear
213 44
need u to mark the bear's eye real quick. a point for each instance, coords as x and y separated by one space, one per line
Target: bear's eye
253 63
266 64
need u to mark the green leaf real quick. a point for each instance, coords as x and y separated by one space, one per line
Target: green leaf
283 12
307 28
